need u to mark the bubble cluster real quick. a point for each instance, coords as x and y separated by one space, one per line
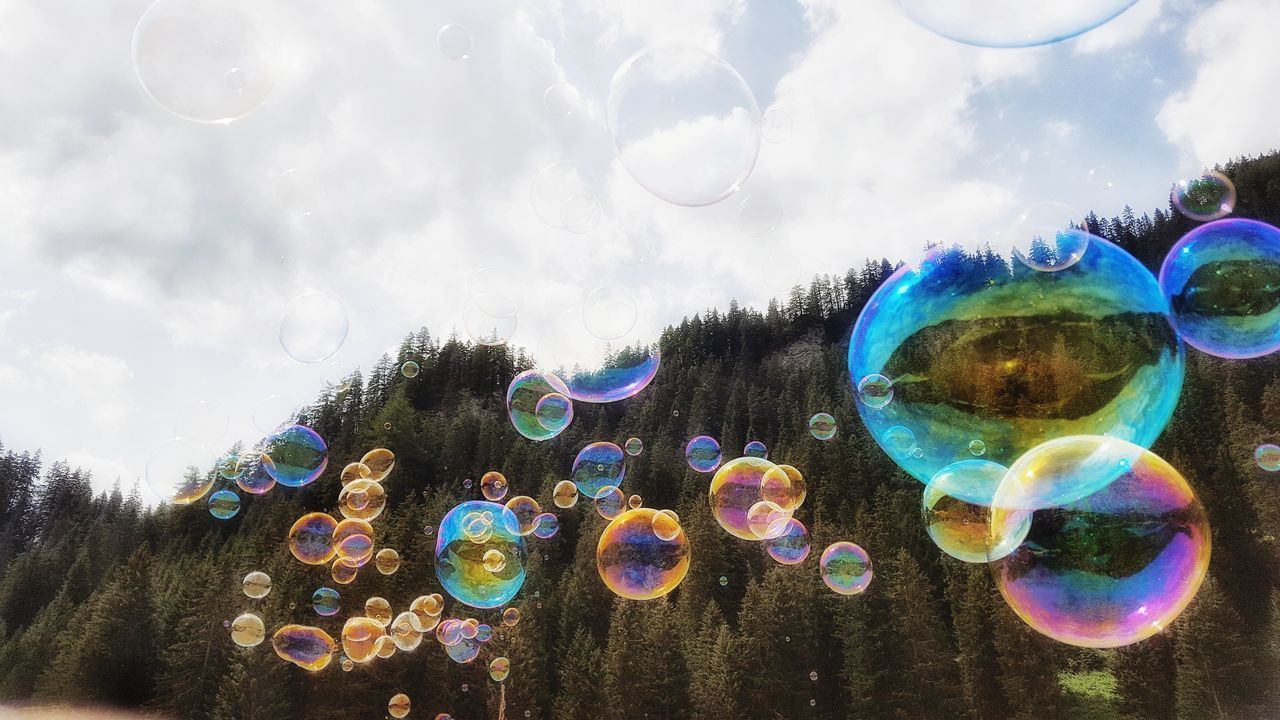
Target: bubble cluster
256 585
460 562
298 455
996 23
360 637
224 504
598 466
1223 282
702 453
637 564
1210 196
1267 457
1117 543
248 630
1015 356
523 395
738 488
822 426
311 538
846 568
310 648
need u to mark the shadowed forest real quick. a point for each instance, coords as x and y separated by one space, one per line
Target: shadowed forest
105 601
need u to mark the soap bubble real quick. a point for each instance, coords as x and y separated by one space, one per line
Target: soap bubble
257 475
702 453
387 561
1221 280
230 467
362 500
483 328
759 215
666 525
755 448
454 42
609 312
610 503
202 421
404 632
1049 236
202 60
410 369
1117 545
999 23
314 326
360 638
511 617
180 471
494 486
635 563
959 527
1208 197
977 448
1015 356
822 426
494 561
1267 456
559 99
426 612
256 584
354 471
248 630
735 489
378 609
596 370
775 125
380 462
523 394
875 390
325 602
546 526
463 651
355 548
554 412
274 412
784 486
846 568
460 560
298 455
598 466
565 195
685 124
565 494
791 546
398 706
521 516
224 504
635 501
499 669
310 648
311 538
484 633
766 520
634 446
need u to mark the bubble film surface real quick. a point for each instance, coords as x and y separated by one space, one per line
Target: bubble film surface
325 601
791 546
257 473
1210 196
845 568
822 426
598 466
460 560
735 489
618 377
380 462
554 412
360 637
702 453
1223 283
248 630
635 563
224 504
1113 553
1016 356
755 448
959 527
256 584
565 494
1267 457
298 455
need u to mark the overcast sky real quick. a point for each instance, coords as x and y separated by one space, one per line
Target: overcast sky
147 259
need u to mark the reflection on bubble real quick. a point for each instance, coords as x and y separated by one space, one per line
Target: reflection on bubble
256 473
180 471
684 123
398 706
635 563
380 462
494 486
959 526
846 568
1049 236
610 503
1208 197
460 562
875 390
998 23
559 100
314 326
1223 282
523 395
360 637
702 453
735 489
325 601
977 448
454 42
1267 457
755 448
1116 547
791 545
554 412
224 504
598 466
545 526
256 584
298 456
310 648
521 516
202 60
822 426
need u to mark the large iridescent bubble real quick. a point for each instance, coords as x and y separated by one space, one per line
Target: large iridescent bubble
957 512
460 557
1012 23
1117 546
637 564
596 370
598 466
1016 356
298 455
523 395
1223 283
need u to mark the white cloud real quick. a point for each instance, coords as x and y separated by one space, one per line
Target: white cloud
1126 29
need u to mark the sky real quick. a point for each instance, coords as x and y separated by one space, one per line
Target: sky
147 260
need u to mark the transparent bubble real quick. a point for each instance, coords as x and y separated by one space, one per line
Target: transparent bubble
767 520
494 486
311 538
325 602
297 193
684 123
565 195
759 215
635 501
1267 456
203 60
248 630
203 421
592 369
483 328
314 326
610 503
523 395
875 390
1101 178
598 466
609 312
180 471
499 669
775 126
755 448
310 648
1049 236
454 42
626 244
1117 546
511 617
497 290
899 442
1208 197
724 581
522 515
822 426
410 369
460 565
735 489
377 608
1221 280
977 448
846 568
298 455
565 494
360 637
494 561
702 453
559 100
1000 23
224 504
380 462
634 446
784 486
545 526
666 525
387 561
958 526
554 412
635 563
791 546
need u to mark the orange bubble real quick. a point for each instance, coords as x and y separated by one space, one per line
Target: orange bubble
635 563
380 462
360 638
310 648
311 538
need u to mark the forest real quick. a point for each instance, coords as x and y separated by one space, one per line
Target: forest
105 600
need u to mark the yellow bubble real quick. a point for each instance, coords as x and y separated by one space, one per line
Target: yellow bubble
347 528
398 705
355 548
494 486
347 665
526 511
310 648
311 538
377 608
426 612
766 520
494 560
385 647
343 571
636 564
362 500
387 561
360 638
784 486
666 525
380 462
634 502
404 631
257 584
511 617
565 494
355 471
247 630
499 669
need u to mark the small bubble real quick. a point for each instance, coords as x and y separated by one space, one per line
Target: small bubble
724 581
386 426
813 676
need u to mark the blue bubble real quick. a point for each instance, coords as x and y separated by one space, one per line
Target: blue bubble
460 558
598 466
325 601
224 504
298 456
703 453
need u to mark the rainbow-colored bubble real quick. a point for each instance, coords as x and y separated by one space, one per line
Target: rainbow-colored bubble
494 486
822 426
298 455
460 562
635 563
756 449
791 547
1223 282
623 375
846 568
598 466
959 527
310 648
256 473
1116 548
311 538
224 504
702 453
362 500
523 395
554 412
1210 196
360 637
1267 457
735 490
325 601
